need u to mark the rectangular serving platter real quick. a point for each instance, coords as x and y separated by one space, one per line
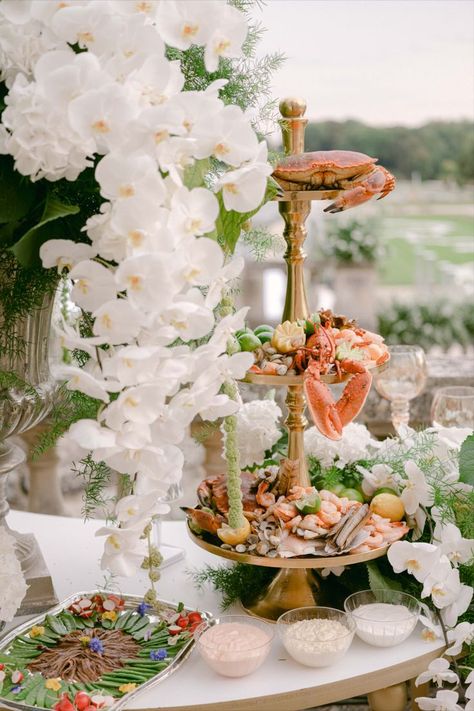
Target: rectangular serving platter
131 602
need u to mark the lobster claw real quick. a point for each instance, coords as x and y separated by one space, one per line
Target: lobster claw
321 403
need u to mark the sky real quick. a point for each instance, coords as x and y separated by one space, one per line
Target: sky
380 61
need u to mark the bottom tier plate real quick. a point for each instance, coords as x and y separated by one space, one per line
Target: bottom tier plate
333 561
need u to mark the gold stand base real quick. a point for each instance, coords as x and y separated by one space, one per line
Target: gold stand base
393 698
290 588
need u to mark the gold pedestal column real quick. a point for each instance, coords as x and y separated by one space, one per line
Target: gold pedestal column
292 587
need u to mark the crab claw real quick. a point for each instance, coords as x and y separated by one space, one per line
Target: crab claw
202 520
378 181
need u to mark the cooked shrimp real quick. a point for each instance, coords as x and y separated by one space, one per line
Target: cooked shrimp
285 511
329 514
326 495
298 492
263 497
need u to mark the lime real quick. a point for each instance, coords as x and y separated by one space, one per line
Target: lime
351 481
336 489
352 495
388 506
309 504
385 490
264 327
241 331
265 336
249 341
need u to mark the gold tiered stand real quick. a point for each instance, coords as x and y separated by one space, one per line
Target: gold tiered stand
295 585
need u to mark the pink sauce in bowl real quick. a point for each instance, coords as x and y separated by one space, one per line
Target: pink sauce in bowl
235 645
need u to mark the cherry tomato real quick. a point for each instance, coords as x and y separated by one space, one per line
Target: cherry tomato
2 667
195 617
82 700
182 622
174 629
192 628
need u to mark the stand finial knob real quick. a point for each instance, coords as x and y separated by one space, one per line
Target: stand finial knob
292 107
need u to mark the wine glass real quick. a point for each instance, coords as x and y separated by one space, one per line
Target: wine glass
453 407
402 380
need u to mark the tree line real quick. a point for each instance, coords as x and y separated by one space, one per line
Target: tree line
437 150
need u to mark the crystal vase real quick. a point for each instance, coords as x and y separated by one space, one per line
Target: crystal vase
26 397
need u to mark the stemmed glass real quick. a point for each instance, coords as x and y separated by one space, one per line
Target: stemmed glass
453 407
402 380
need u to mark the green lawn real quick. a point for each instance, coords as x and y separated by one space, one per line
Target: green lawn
448 237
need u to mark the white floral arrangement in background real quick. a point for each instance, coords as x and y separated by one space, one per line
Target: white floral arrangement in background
257 430
356 443
90 85
12 582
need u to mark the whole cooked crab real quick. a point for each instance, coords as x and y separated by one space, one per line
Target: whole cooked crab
354 173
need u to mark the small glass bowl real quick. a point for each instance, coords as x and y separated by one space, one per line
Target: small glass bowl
229 652
376 628
313 650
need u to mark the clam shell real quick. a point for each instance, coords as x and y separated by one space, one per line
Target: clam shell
262 548
269 350
273 553
281 369
240 548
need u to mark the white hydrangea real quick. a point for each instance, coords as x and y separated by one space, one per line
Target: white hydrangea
12 582
356 443
257 430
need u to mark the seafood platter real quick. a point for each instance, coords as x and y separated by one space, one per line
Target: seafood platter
320 528
94 651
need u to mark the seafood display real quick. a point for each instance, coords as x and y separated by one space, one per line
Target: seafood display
322 344
304 522
356 174
93 651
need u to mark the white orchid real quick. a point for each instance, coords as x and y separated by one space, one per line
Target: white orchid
117 320
416 491
244 189
431 630
462 634
124 550
438 672
442 583
221 279
150 276
458 549
227 136
130 510
444 700
64 254
93 284
193 212
418 559
459 605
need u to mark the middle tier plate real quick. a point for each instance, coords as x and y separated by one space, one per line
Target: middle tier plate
333 561
261 379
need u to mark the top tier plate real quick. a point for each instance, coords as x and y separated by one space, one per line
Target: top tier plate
306 195
272 380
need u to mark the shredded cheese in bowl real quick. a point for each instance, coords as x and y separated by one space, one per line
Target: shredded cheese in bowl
316 636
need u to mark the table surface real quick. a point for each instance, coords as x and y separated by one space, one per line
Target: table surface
73 555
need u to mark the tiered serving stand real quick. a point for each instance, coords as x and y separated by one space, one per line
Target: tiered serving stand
296 584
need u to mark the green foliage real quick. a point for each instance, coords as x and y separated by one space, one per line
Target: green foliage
17 193
10 380
235 582
26 249
427 325
96 476
466 461
261 242
353 242
69 407
426 150
378 581
22 291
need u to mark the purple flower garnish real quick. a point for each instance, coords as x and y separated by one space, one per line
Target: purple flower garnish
142 608
157 655
95 645
16 689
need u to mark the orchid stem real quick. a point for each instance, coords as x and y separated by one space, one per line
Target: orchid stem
453 660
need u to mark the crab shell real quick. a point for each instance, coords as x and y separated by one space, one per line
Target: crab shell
323 167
